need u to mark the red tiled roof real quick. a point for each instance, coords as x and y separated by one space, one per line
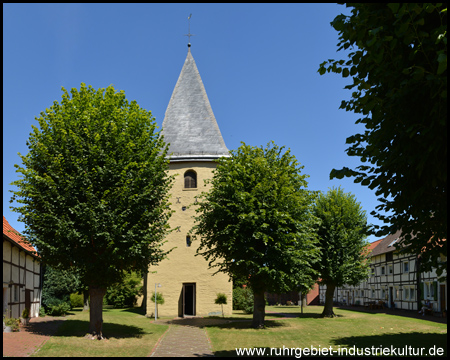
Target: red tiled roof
373 245
15 237
387 244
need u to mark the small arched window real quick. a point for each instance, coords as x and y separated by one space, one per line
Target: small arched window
190 179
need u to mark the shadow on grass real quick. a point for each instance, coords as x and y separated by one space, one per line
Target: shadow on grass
225 323
79 328
44 328
134 310
408 344
299 315
258 352
412 341
400 313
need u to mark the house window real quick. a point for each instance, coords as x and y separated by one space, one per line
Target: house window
190 179
389 256
373 293
406 293
373 271
383 270
383 293
16 293
412 294
390 270
406 267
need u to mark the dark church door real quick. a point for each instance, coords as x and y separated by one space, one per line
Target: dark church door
189 299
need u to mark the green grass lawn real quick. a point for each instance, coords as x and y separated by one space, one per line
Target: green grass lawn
348 329
131 334
128 334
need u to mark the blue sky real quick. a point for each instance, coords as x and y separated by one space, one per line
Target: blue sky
258 63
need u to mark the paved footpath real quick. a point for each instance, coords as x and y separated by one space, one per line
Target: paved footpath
188 338
30 337
185 338
183 341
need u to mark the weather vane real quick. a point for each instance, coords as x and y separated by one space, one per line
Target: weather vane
189 34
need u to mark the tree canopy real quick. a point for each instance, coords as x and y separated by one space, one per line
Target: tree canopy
256 222
342 234
94 188
398 62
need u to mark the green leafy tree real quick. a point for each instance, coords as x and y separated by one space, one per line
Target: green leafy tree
221 299
398 62
256 222
59 284
159 300
342 233
94 189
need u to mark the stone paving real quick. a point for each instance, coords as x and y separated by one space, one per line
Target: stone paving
186 337
183 341
30 337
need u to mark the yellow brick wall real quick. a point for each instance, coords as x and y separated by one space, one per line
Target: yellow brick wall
182 266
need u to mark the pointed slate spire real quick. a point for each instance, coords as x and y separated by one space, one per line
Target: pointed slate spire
189 124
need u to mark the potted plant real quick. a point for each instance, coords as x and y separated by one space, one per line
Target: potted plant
25 316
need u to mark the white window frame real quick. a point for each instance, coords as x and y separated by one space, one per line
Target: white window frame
427 287
406 293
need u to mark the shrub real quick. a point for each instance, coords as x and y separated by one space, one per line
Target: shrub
13 323
124 294
57 307
76 300
243 300
42 311
59 284
25 313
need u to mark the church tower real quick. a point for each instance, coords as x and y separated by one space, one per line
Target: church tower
190 128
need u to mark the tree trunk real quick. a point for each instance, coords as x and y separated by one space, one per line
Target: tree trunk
259 308
95 311
85 300
328 308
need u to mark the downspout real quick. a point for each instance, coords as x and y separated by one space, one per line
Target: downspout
41 284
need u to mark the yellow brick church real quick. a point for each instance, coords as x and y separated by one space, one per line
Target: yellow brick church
195 141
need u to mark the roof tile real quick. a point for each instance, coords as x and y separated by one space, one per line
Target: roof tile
16 237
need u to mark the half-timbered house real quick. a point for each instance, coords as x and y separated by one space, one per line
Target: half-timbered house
395 281
21 274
